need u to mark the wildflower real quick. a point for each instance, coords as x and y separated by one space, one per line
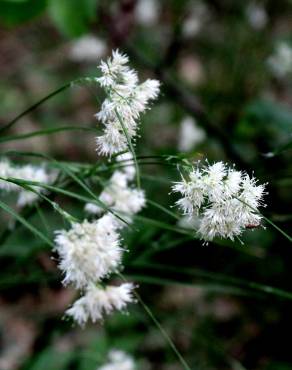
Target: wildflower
33 173
190 135
6 171
26 173
87 48
126 100
88 251
120 197
98 301
118 360
223 201
280 62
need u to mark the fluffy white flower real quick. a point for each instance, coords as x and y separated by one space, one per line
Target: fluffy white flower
33 173
280 62
28 173
98 301
88 251
223 201
190 135
120 197
88 48
126 100
118 360
6 171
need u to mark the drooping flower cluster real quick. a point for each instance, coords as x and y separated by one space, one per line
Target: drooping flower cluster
98 301
125 100
89 252
27 173
222 200
118 360
119 196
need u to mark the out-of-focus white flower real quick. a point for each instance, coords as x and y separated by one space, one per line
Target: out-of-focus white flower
26 173
33 173
88 48
190 135
223 201
118 360
126 100
6 171
98 301
280 62
256 16
120 197
88 251
147 12
195 19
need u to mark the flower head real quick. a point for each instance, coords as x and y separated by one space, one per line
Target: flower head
88 251
126 100
222 200
28 173
98 301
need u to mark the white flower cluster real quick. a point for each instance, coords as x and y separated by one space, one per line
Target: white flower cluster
125 101
224 201
89 252
27 173
118 360
119 196
98 301
280 62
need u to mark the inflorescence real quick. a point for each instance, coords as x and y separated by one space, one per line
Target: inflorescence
223 201
125 100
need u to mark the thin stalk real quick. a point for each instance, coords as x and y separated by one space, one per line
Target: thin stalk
131 148
34 106
160 327
49 131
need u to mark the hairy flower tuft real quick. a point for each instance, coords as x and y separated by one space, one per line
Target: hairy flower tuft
222 200
126 100
98 301
88 251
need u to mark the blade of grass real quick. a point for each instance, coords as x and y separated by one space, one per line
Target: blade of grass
160 327
26 224
131 148
49 131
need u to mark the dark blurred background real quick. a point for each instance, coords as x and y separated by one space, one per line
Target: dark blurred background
225 68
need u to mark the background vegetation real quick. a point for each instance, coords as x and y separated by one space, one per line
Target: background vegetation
225 305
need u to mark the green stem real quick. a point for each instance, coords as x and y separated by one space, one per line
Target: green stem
34 106
160 327
78 81
131 148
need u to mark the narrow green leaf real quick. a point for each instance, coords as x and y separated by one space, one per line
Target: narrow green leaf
26 224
